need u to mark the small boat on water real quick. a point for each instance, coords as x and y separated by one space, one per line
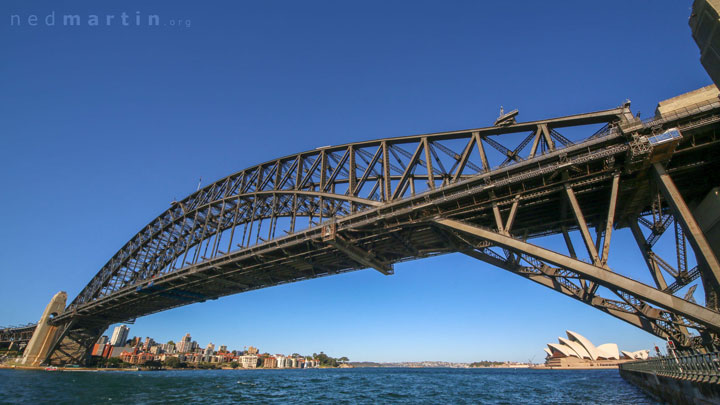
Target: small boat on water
51 368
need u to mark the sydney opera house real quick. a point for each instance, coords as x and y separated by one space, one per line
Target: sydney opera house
578 351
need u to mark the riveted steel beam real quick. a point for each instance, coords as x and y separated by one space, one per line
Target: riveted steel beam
600 275
694 234
359 255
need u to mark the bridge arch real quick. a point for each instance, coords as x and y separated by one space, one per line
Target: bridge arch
328 182
375 203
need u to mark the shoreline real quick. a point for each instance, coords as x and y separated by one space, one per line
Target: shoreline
90 369
575 368
93 369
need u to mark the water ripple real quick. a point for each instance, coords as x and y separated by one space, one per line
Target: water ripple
340 386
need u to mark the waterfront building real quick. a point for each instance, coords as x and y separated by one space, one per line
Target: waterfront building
126 356
269 362
119 335
577 351
252 350
281 361
136 358
115 351
97 349
107 351
248 361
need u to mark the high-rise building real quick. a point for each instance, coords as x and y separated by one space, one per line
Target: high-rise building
209 349
103 340
168 348
185 344
119 335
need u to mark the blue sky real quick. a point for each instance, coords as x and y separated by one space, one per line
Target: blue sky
102 127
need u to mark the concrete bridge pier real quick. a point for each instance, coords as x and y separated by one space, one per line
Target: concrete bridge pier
45 334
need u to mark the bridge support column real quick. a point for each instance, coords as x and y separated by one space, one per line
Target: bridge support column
45 335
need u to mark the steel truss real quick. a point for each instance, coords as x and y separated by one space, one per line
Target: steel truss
318 185
375 203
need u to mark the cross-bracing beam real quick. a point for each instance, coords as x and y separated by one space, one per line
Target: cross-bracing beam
707 261
355 253
636 294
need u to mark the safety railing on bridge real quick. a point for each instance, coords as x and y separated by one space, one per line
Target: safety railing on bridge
681 112
704 367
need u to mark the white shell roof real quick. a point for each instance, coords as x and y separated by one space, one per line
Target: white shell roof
568 352
639 355
577 348
609 351
591 349
577 345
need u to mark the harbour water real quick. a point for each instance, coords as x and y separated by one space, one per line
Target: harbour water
337 386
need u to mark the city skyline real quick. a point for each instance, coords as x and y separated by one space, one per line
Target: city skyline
183 345
187 353
182 105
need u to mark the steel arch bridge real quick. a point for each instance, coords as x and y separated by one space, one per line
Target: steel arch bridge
484 192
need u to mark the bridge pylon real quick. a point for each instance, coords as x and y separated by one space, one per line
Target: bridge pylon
45 335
